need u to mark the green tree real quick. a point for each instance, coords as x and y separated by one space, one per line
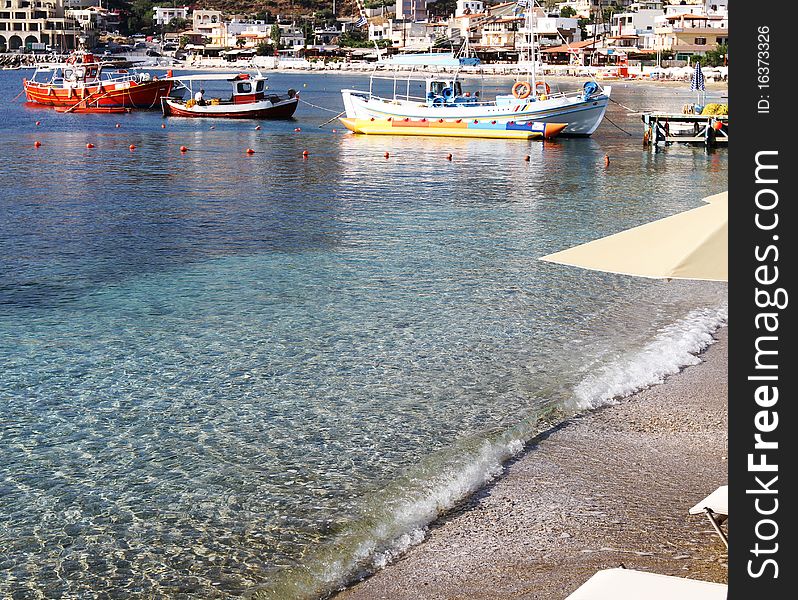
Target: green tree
265 49
275 35
176 24
717 56
140 16
567 11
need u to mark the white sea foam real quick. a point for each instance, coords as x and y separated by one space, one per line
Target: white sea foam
674 347
401 518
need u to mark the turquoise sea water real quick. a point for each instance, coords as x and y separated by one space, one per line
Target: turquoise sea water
225 375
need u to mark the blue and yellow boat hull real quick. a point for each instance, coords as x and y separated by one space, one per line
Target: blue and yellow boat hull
506 130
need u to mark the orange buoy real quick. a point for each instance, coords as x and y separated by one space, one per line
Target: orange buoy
36 144
527 158
250 151
717 125
335 130
132 147
183 149
163 125
387 155
305 153
38 122
448 157
297 129
89 145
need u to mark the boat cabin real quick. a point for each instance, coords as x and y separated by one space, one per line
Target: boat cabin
448 92
248 89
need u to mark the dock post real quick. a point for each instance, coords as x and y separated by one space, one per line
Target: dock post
710 135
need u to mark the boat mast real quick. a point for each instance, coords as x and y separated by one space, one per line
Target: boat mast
531 24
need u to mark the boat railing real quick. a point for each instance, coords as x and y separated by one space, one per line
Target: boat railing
470 102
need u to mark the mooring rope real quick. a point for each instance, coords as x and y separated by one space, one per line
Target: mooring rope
618 126
317 106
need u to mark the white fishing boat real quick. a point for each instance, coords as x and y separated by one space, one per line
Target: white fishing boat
530 100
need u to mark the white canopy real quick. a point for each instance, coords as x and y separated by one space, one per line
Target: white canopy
688 245
628 584
717 502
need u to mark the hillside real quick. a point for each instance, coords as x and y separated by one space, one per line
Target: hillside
343 8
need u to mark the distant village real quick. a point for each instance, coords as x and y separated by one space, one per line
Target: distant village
572 32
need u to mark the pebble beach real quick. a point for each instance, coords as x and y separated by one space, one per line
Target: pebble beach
604 489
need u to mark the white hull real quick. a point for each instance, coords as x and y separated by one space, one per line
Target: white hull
582 116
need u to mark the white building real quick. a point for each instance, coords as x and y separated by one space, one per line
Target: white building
291 36
469 7
163 15
30 24
550 31
639 24
403 33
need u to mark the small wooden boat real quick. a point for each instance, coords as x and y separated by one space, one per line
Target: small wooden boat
507 130
248 99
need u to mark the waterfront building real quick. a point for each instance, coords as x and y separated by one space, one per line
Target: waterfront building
500 32
402 33
37 25
636 27
163 15
209 24
687 34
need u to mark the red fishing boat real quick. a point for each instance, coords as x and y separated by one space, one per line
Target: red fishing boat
249 99
84 82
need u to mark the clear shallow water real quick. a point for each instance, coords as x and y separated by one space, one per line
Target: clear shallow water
225 375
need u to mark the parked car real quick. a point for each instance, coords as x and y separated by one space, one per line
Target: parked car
152 52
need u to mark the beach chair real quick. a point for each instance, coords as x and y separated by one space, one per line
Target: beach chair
716 507
628 584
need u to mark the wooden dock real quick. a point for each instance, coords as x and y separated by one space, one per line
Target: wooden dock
667 128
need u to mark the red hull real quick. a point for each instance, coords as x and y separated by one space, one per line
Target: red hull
146 94
94 109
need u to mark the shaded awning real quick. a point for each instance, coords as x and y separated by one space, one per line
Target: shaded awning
442 59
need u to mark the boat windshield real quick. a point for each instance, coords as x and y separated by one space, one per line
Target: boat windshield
437 87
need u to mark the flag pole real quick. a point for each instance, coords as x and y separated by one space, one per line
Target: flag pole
362 10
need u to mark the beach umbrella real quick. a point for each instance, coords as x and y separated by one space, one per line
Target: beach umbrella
688 245
697 82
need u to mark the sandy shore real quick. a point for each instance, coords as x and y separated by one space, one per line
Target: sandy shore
608 488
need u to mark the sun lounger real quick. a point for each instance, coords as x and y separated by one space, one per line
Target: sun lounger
628 584
716 507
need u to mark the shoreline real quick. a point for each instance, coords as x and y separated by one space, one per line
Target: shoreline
607 487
